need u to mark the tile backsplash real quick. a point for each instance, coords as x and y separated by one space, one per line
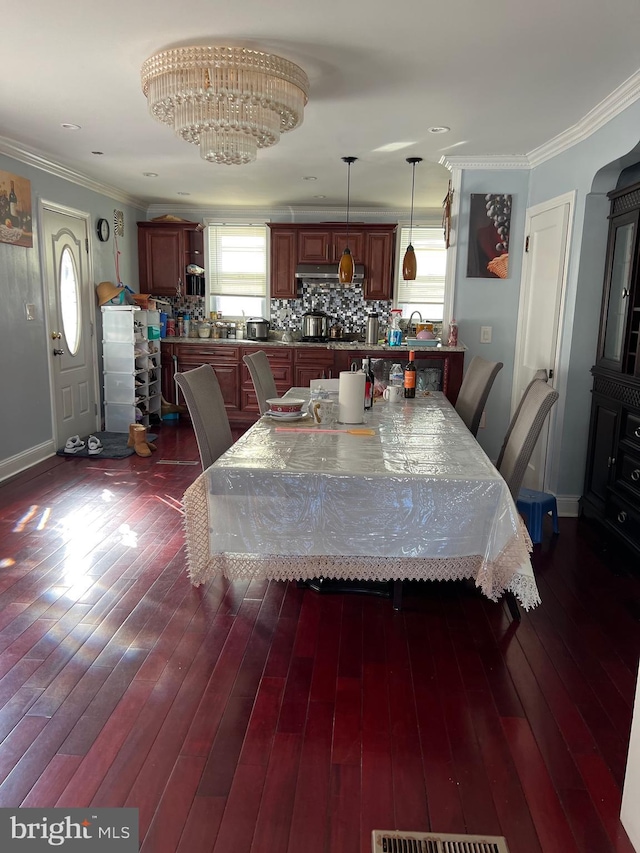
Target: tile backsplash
345 305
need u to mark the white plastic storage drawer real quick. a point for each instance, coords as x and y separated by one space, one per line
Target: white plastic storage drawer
118 326
118 416
123 358
119 387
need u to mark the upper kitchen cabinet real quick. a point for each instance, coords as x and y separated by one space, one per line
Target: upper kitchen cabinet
317 246
165 250
371 245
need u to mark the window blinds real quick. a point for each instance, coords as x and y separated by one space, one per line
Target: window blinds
237 260
431 257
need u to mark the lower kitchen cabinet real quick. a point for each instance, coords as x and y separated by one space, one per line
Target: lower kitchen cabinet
312 364
225 360
291 366
280 361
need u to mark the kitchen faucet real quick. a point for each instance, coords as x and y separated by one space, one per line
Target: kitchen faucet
410 326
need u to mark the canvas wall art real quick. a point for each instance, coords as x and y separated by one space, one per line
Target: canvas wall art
489 223
16 224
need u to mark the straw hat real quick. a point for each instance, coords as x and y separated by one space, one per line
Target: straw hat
106 291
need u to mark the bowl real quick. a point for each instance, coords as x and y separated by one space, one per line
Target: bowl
421 342
285 405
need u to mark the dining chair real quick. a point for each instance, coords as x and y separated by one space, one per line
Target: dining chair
208 414
474 391
538 375
262 377
524 431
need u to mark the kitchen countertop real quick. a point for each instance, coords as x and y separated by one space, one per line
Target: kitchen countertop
331 345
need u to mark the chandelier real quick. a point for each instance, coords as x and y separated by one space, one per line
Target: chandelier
228 100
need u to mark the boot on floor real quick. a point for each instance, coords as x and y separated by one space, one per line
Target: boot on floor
167 408
131 442
139 435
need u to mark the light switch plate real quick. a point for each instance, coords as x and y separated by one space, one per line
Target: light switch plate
485 334
30 309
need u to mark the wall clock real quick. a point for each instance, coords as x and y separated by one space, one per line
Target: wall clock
103 230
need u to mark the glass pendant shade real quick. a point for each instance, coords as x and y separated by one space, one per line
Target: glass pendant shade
409 264
229 101
345 269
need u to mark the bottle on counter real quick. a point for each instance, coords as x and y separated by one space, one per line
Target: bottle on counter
453 334
396 375
373 329
369 383
395 332
180 326
186 322
410 377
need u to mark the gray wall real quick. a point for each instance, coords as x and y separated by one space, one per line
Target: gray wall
25 416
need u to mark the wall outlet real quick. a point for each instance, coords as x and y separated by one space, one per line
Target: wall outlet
485 334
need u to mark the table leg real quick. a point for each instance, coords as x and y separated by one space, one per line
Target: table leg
397 595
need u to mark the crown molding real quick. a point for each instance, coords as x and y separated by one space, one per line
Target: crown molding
621 98
492 161
299 215
39 160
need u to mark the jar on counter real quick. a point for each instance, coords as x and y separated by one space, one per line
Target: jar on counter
204 329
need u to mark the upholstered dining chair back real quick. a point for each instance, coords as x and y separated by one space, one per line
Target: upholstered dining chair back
525 430
474 391
262 377
539 374
209 417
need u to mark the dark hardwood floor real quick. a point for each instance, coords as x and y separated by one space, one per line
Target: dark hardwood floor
255 717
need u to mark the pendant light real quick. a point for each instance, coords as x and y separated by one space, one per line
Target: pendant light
345 269
409 264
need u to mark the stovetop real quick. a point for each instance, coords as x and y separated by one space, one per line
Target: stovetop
314 339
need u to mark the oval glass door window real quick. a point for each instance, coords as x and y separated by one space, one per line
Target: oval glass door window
69 301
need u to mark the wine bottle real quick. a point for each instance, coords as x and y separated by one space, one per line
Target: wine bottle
13 206
410 377
368 383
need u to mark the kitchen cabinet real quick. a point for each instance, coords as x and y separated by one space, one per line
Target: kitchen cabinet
283 261
165 249
326 246
371 245
612 480
225 360
280 361
311 364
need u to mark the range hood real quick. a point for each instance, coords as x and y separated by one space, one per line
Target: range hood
326 272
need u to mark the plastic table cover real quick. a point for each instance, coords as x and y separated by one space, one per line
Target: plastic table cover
419 499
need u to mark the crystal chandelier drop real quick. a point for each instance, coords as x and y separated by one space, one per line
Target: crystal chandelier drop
228 100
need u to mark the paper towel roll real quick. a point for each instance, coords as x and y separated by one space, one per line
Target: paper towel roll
351 397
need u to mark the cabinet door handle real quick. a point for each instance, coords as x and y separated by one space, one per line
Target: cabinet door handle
637 432
622 516
611 461
635 475
625 292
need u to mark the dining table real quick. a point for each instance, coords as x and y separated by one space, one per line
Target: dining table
409 494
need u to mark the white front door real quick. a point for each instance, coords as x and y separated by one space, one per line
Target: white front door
541 301
71 316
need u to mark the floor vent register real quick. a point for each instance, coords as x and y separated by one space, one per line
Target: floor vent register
384 841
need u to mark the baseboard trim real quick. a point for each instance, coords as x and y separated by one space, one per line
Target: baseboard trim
21 461
568 505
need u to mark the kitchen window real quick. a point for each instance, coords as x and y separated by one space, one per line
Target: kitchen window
426 293
238 270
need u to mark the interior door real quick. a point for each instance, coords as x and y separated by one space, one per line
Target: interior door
71 316
541 299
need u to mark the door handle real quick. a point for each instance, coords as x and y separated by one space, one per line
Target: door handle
55 336
58 352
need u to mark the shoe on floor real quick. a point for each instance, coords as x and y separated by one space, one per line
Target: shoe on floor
74 444
95 445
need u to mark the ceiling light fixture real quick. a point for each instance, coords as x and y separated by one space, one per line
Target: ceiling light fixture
441 129
67 126
228 100
409 264
150 174
345 268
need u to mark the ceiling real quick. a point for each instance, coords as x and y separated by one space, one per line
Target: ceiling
505 77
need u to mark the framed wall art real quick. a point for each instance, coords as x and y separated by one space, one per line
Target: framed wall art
489 224
16 224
